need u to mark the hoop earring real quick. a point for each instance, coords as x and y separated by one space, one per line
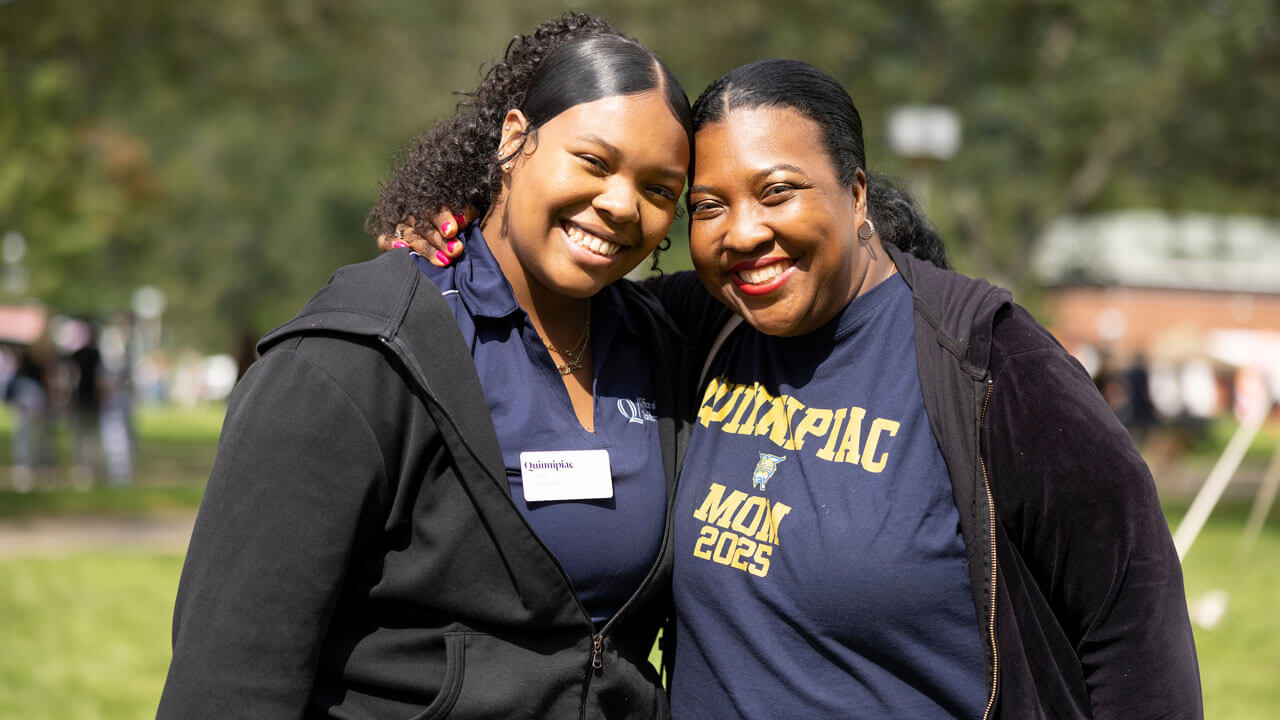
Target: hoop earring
870 227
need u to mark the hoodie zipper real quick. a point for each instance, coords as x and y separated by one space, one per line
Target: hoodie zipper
597 639
991 529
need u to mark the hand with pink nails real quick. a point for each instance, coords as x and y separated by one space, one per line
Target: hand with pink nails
434 240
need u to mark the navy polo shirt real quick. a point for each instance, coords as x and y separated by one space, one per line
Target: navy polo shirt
606 547
819 567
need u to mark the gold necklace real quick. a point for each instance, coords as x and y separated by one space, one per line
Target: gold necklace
572 357
892 269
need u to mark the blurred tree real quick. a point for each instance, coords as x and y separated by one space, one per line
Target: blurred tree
227 151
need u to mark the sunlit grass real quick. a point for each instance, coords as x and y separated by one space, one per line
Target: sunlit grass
85 636
1240 656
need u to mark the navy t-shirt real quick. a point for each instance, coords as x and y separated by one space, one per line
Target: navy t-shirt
820 570
605 546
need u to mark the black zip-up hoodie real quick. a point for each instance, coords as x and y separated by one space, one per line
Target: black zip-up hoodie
1073 570
357 553
1076 585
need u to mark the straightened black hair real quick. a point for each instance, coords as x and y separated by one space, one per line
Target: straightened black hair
602 66
799 86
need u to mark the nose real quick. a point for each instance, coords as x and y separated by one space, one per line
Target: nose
746 232
619 200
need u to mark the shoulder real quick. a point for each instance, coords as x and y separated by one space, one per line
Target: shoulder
699 316
1015 333
329 372
1043 399
642 311
367 299
958 311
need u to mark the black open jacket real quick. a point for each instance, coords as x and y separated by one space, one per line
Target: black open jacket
1076 585
358 554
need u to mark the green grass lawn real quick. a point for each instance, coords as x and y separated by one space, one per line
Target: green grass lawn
1240 657
85 636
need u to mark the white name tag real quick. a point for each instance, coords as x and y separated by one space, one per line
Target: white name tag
566 475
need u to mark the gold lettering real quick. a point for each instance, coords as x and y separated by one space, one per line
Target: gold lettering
715 391
762 398
878 427
848 451
723 554
777 421
746 548
743 406
761 568
828 451
816 422
706 539
716 511
747 520
723 411
769 528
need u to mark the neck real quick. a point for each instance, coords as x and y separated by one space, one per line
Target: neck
879 265
558 318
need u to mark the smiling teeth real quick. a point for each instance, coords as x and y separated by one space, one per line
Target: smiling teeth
595 244
755 276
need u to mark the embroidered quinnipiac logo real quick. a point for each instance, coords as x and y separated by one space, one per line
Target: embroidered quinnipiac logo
636 411
765 468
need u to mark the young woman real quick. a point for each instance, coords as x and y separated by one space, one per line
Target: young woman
442 492
902 498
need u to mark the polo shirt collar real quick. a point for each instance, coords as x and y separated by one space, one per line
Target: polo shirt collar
479 279
486 293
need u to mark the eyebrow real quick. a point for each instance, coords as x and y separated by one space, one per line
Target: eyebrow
755 178
665 172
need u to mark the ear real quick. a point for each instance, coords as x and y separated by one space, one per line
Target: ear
858 190
514 130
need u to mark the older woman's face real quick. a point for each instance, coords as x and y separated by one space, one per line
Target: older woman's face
773 231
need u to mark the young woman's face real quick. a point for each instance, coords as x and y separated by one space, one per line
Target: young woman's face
591 195
773 231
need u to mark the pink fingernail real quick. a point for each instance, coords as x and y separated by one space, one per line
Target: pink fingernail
460 218
452 245
444 259
399 244
446 228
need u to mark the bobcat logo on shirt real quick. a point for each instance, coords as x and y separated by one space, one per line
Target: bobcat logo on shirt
765 468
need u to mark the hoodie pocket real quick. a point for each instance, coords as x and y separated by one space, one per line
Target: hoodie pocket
455 648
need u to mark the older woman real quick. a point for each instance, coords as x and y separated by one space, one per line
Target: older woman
902 498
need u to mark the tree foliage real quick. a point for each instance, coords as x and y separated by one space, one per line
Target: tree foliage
227 151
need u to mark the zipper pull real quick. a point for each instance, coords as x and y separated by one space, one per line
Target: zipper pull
597 652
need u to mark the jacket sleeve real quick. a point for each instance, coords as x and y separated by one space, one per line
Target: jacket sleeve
1079 504
296 483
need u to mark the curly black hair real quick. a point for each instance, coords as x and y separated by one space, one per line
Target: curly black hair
900 221
451 165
